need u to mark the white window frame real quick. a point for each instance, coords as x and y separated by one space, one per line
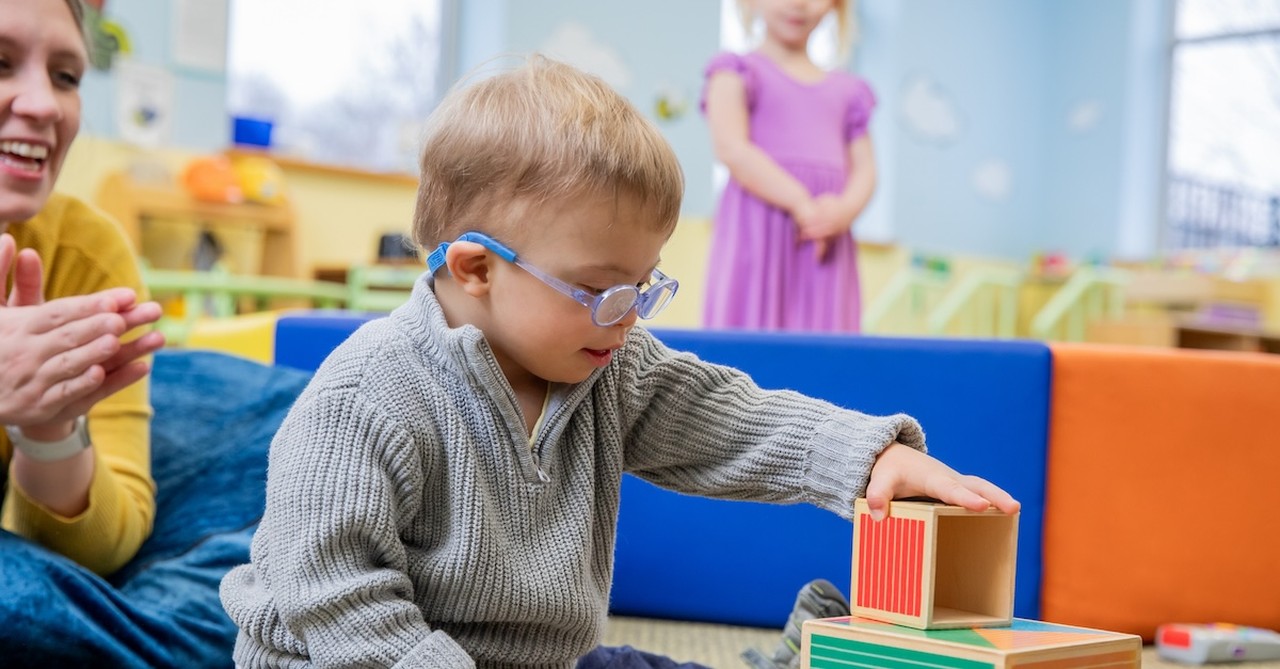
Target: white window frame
1214 203
299 136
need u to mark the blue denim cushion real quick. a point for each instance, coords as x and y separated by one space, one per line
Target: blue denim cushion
215 417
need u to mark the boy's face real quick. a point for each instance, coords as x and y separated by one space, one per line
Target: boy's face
539 334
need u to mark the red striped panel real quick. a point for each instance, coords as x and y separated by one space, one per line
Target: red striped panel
916 550
890 564
877 565
864 560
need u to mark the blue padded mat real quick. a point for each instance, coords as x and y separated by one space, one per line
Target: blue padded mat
984 406
305 338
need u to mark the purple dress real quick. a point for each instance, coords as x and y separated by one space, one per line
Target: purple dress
759 275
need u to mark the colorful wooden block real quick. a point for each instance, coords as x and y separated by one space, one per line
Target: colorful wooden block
860 643
933 566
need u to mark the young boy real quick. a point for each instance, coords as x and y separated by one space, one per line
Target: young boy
445 492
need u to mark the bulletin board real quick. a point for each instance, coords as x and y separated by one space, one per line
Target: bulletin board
159 73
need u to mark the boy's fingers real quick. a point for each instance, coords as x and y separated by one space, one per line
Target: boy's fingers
879 507
994 494
975 494
878 496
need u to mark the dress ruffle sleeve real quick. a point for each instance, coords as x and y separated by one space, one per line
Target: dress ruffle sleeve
859 112
726 61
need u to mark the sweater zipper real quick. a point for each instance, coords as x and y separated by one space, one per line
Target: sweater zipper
517 418
552 427
537 465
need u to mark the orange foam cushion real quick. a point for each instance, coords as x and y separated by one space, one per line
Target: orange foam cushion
1163 489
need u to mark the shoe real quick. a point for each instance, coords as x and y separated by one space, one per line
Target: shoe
817 599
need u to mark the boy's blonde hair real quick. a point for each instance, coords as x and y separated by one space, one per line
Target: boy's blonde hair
846 28
542 132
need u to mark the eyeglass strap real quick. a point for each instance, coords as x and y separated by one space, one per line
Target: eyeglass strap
436 260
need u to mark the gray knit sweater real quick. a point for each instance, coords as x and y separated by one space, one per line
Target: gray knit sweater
409 523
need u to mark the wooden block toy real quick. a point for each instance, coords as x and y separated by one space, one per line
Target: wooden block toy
932 566
844 643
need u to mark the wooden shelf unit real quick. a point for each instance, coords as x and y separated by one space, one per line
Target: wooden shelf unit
1194 334
132 203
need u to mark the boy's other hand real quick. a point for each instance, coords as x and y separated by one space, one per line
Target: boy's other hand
902 471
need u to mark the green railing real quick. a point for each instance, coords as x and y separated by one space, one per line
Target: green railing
1092 293
904 305
216 293
983 304
380 287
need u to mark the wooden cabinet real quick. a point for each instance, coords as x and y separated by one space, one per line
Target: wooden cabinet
1192 334
133 204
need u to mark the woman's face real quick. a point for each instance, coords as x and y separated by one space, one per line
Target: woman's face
42 58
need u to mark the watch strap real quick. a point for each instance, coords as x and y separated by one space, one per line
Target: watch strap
50 451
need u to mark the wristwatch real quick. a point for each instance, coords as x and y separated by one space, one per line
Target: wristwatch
49 451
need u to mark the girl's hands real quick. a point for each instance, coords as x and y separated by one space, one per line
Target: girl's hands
821 220
902 471
59 358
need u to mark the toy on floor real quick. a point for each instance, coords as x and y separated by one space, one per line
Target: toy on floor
1219 642
933 587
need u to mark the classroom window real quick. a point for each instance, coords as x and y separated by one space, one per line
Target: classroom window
1224 125
342 83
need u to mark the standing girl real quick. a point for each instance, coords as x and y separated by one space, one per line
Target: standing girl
802 169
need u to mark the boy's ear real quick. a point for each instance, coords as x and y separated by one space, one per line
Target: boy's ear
468 264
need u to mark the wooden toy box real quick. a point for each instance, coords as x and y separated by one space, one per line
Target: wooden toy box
846 643
934 566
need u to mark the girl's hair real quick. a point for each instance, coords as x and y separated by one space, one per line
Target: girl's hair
846 27
541 132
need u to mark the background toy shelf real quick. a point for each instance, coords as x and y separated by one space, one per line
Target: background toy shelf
265 232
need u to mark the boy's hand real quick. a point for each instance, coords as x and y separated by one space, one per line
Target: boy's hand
902 471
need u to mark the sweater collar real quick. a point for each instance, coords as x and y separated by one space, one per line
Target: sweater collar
464 349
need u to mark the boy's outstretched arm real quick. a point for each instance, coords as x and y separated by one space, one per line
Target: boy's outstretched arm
902 471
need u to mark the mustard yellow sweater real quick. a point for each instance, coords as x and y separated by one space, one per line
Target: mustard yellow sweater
84 252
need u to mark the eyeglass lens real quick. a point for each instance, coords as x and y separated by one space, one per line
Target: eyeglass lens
615 304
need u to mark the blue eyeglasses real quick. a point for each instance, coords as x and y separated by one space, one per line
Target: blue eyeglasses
607 307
